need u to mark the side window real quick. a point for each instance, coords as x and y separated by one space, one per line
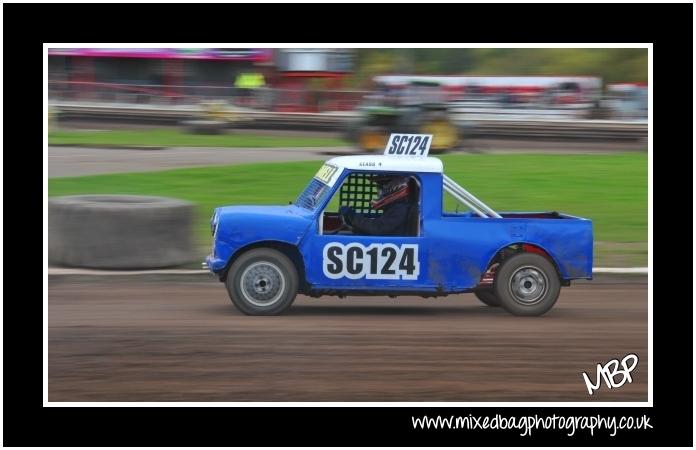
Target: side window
358 191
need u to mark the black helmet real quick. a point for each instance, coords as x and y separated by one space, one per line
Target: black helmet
391 189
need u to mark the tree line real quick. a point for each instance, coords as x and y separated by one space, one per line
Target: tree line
613 65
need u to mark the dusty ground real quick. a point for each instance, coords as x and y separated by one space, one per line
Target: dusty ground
133 339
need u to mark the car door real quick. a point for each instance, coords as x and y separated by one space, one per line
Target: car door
462 243
363 262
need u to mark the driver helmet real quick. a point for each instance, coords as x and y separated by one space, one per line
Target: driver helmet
391 189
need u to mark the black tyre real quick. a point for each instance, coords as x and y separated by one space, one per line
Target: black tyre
527 284
352 131
488 297
262 282
120 231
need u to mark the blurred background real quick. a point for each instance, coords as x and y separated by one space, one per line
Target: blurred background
144 143
524 129
501 83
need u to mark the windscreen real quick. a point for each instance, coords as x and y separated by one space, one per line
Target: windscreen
319 187
313 195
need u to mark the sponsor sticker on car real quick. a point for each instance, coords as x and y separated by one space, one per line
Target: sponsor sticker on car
328 174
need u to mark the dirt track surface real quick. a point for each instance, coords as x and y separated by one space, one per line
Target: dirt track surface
77 161
182 340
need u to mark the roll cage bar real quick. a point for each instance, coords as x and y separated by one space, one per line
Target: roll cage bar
469 200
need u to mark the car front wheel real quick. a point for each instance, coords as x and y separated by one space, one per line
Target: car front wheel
262 282
527 284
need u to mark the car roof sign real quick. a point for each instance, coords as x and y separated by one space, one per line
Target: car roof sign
408 145
382 163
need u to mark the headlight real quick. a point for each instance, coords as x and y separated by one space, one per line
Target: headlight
214 222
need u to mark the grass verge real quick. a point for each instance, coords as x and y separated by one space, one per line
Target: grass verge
177 138
610 189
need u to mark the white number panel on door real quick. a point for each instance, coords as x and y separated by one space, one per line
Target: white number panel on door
376 261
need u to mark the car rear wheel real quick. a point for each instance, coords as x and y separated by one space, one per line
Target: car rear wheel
488 297
527 284
262 282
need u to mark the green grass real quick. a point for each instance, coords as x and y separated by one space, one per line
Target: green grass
612 190
176 138
609 189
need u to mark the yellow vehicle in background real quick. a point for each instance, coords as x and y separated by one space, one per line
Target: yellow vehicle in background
219 110
215 116
419 109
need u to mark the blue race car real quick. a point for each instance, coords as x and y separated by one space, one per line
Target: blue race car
451 243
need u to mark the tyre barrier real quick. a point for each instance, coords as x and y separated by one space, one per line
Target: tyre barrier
120 231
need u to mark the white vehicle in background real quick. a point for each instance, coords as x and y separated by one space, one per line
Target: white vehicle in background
516 89
627 101
513 97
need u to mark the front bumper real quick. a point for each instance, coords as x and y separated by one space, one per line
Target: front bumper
214 264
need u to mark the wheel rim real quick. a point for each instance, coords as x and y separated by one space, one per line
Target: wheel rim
528 285
262 284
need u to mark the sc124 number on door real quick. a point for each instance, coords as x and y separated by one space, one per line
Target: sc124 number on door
376 261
